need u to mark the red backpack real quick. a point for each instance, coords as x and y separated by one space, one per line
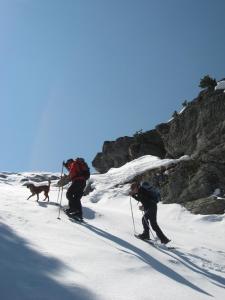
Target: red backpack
83 168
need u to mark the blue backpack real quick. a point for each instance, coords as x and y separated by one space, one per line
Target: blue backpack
152 191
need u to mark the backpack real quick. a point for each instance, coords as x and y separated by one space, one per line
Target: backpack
152 191
84 170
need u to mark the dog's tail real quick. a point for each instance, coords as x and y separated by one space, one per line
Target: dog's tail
49 182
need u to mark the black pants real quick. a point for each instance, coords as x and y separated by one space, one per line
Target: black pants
150 215
74 195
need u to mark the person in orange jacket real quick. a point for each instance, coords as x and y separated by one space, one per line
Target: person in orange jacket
76 189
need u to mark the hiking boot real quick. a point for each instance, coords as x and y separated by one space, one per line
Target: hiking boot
67 211
144 236
76 215
165 241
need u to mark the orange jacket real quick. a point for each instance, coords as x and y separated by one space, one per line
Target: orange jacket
74 171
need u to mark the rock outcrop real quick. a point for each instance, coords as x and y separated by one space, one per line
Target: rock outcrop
146 143
206 206
10 177
198 131
187 182
116 153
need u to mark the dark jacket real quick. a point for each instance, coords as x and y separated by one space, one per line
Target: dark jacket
145 199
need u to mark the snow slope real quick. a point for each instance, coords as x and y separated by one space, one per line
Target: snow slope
45 258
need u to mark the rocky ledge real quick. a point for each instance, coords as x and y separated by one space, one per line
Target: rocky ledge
198 131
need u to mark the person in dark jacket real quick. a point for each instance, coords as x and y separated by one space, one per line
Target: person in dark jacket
150 212
76 189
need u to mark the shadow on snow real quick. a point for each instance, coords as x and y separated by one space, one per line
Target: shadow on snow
185 260
160 267
26 274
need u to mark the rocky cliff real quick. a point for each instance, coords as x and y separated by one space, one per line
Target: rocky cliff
199 131
116 153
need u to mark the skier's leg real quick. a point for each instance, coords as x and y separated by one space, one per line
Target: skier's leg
145 224
76 206
155 226
70 196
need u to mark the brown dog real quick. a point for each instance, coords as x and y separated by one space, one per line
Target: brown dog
36 190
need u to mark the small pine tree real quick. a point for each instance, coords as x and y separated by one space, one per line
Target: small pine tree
138 136
207 82
185 103
175 114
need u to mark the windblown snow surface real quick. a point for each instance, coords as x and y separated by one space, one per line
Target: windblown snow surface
46 258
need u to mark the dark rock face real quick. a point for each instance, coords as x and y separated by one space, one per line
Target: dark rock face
191 180
40 178
146 143
206 206
199 129
188 181
199 132
3 176
24 178
116 153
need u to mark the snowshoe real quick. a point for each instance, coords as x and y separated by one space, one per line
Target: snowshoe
143 236
166 241
76 216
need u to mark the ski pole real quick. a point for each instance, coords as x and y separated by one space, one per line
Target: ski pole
60 204
60 178
131 208
59 193
146 221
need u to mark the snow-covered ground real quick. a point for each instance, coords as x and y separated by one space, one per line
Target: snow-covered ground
46 258
220 85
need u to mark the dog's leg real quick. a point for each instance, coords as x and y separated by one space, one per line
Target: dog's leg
46 196
37 197
30 196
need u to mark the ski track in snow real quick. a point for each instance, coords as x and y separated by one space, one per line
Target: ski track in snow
43 257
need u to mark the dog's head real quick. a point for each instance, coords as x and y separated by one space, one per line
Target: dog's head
28 185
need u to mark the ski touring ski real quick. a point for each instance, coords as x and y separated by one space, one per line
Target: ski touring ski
74 218
156 244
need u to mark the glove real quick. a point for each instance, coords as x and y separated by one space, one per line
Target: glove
63 181
141 207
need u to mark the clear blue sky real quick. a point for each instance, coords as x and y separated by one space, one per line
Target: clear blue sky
74 73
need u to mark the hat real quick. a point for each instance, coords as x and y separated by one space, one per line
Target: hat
146 185
69 161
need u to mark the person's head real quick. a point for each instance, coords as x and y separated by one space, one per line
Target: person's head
80 159
134 187
68 162
146 185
